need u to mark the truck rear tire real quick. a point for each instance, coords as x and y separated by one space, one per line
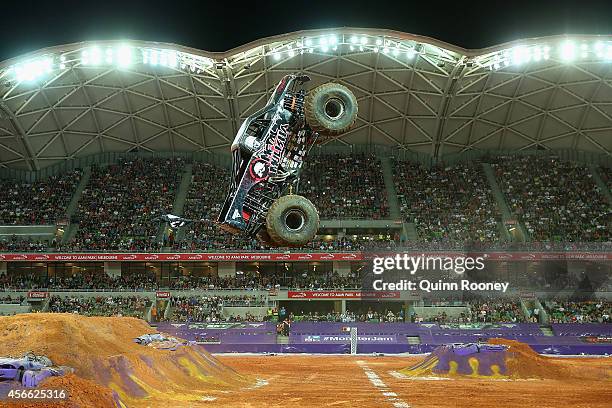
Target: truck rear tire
292 221
331 109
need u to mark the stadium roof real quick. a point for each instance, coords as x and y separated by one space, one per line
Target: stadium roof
414 93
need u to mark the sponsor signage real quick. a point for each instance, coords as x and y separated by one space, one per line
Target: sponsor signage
163 295
343 339
326 294
597 339
205 256
37 295
290 257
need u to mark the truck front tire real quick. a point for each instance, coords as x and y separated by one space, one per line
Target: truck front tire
292 220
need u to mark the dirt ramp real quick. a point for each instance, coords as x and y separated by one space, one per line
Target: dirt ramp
498 359
101 349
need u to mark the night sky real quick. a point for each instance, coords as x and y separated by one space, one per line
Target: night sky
218 26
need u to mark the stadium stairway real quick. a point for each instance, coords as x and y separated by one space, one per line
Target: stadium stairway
410 231
413 339
72 206
547 331
600 183
178 207
502 205
387 169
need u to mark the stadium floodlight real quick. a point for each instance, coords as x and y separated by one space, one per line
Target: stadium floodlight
379 41
85 57
291 53
599 49
352 48
109 55
546 50
47 65
354 40
276 56
386 50
410 53
62 64
396 51
308 42
95 55
364 40
609 53
361 48
537 53
333 39
568 51
154 57
163 58
520 55
584 50
124 56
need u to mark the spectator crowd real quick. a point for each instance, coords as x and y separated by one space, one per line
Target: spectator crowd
447 204
556 200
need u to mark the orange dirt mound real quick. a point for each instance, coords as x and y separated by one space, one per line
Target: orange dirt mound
518 361
102 349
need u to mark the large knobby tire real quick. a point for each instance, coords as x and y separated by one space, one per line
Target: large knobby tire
331 109
265 239
292 221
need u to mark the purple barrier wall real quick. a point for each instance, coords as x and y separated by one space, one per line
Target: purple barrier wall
582 329
343 338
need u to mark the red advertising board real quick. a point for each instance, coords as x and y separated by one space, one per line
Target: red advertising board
290 257
37 295
162 295
204 256
341 294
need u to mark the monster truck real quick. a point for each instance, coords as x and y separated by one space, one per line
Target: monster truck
268 153
29 370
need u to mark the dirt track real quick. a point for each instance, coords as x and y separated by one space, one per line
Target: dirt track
110 367
340 381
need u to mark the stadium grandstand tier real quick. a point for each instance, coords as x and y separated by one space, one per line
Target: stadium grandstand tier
557 200
345 186
450 204
118 209
39 202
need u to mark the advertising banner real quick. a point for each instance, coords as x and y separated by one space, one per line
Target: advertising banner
326 294
287 257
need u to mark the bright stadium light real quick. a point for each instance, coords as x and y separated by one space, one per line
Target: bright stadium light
95 56
276 56
124 56
154 57
354 40
333 40
109 55
308 42
386 50
291 53
584 50
396 51
568 51
599 49
85 57
537 53
520 55
546 50
378 41
47 65
410 53
62 62
364 40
